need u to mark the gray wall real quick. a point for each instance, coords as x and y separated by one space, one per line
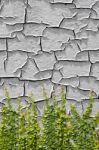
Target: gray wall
48 43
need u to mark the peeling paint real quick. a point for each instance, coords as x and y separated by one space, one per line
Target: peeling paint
49 44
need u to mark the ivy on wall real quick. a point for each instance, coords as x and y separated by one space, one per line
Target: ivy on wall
20 130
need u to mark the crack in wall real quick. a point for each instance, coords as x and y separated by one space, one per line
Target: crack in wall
49 43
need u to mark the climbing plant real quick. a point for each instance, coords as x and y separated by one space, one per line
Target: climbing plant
20 130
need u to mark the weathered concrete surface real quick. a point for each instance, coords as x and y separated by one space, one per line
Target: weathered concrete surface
49 44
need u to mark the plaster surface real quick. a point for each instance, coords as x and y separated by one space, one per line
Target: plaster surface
50 43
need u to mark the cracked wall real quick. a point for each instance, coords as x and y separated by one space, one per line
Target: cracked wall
49 43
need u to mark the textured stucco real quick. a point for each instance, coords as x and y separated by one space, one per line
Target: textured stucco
49 43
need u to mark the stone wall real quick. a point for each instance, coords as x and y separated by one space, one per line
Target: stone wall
49 43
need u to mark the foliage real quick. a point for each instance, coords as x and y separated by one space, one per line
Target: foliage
20 130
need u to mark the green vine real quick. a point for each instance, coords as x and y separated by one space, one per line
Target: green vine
20 130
